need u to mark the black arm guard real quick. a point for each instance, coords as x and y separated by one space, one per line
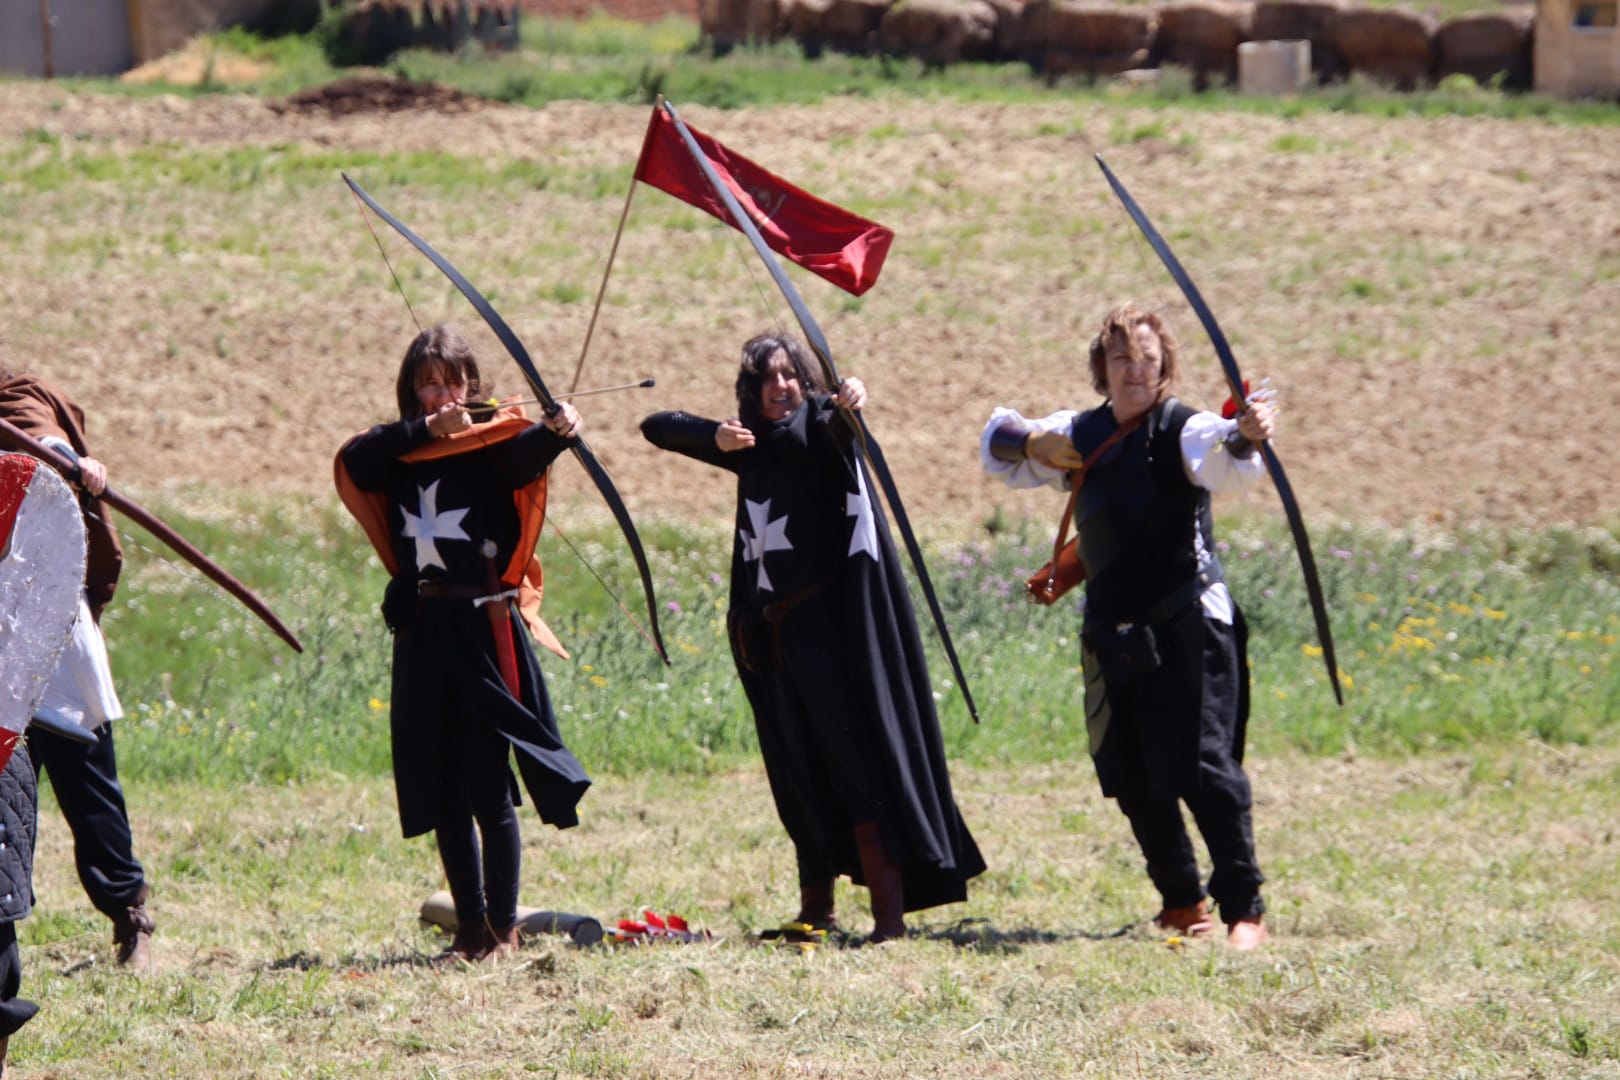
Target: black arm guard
1008 438
1238 445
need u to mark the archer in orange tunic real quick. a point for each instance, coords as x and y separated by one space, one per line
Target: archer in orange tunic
454 509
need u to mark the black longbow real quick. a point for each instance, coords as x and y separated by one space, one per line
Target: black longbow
598 474
1234 379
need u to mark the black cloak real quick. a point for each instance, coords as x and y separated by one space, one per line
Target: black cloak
826 645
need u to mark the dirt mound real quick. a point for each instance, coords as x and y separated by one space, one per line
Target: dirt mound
377 94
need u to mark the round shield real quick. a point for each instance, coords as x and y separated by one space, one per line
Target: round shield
41 579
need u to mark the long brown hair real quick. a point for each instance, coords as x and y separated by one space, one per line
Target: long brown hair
437 350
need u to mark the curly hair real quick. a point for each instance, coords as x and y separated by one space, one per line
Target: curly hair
756 363
437 350
1122 321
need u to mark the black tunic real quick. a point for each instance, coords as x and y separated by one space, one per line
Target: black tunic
446 675
827 649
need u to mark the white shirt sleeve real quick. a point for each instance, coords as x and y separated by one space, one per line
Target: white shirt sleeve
1024 474
61 446
81 689
1207 460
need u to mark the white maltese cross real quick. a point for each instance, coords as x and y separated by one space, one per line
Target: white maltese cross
431 526
766 535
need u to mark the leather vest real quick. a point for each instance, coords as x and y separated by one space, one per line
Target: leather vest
1146 531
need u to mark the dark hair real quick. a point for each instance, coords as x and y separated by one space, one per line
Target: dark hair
1121 322
439 350
756 361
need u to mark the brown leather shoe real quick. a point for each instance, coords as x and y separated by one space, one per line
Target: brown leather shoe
132 934
1247 933
1192 921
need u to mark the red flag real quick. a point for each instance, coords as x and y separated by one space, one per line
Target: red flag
827 240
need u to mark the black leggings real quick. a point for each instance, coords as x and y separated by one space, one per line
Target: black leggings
478 790
14 1011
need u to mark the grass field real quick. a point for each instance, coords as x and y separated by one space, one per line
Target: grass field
1434 291
1441 852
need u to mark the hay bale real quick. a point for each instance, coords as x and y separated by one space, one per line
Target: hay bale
939 32
1203 35
1064 37
1303 20
1486 45
1390 45
845 25
763 22
723 23
1007 41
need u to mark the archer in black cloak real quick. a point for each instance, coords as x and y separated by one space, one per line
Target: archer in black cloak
454 509
826 645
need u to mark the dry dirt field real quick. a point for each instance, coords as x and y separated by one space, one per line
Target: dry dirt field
1438 300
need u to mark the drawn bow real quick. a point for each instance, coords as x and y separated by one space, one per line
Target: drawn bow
15 437
818 345
1234 379
537 385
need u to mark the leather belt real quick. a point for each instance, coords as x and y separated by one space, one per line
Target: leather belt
442 590
777 610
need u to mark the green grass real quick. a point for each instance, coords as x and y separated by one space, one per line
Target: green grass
1442 641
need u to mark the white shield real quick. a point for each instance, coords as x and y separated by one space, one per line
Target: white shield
41 582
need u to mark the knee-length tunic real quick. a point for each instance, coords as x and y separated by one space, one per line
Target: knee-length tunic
826 646
448 519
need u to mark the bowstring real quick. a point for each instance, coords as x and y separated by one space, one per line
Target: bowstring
752 266
1146 265
1247 485
483 442
365 217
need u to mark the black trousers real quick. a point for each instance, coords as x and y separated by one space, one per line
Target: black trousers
14 1011
476 802
1177 735
85 779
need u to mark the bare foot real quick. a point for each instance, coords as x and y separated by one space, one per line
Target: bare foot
1247 934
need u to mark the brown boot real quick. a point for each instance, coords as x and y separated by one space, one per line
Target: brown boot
132 934
1192 921
816 906
884 881
502 942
